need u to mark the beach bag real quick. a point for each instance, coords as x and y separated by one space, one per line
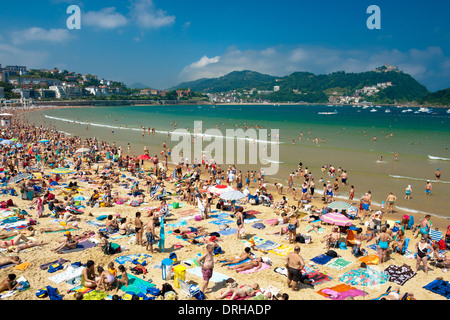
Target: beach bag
128 295
173 257
138 269
176 205
300 238
140 261
196 292
331 253
42 293
111 248
54 267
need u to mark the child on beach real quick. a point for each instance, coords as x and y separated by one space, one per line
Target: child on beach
138 228
106 278
124 277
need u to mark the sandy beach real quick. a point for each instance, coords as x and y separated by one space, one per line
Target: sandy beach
230 245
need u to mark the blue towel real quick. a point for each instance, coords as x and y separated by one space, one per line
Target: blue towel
322 259
439 287
221 221
227 232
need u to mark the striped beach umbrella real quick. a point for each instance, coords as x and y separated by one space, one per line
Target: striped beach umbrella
365 277
336 219
232 195
219 189
339 205
62 171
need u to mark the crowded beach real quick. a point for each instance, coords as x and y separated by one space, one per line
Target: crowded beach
84 219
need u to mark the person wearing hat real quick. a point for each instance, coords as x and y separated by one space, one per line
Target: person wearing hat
437 174
408 192
68 243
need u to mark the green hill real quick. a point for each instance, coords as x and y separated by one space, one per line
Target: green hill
308 87
441 97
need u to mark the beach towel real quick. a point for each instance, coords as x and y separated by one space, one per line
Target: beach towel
370 259
343 291
129 258
82 289
259 226
216 277
252 220
399 274
177 225
95 295
264 266
117 235
80 247
435 235
373 247
187 212
46 265
70 273
23 266
322 259
440 287
282 250
221 221
227 232
136 285
317 278
267 245
96 224
338 263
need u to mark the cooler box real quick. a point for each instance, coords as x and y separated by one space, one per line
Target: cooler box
179 273
166 268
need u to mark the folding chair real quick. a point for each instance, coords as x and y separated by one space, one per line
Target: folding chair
185 292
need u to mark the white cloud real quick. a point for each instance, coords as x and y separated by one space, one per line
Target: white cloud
39 34
106 18
30 58
425 65
147 16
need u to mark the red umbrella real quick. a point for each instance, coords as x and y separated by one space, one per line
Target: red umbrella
144 157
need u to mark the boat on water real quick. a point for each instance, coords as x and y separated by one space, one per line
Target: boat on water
407 110
448 110
334 112
387 111
373 110
423 109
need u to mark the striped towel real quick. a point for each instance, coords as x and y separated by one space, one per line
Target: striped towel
435 235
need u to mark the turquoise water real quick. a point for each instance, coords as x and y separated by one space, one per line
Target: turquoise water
345 140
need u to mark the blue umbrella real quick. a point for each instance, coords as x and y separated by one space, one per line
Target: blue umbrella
19 145
79 198
44 141
9 142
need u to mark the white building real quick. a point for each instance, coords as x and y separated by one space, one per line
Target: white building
60 92
276 88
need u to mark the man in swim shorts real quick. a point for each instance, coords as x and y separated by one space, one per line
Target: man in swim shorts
294 265
206 262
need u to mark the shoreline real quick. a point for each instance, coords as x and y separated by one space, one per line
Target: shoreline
439 222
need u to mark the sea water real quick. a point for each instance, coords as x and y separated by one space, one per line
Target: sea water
354 139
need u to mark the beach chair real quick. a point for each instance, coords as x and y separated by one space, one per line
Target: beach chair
435 235
185 292
405 247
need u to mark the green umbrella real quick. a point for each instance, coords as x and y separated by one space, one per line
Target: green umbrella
62 171
339 205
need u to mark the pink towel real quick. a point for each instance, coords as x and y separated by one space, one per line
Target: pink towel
264 266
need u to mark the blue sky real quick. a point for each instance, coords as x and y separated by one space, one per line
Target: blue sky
164 42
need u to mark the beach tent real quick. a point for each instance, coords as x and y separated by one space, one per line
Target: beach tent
62 171
366 277
339 205
232 195
219 189
336 219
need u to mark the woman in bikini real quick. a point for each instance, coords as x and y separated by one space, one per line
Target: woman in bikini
422 251
243 292
13 242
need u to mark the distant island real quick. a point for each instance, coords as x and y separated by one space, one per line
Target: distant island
386 85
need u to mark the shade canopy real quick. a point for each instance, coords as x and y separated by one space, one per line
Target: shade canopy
232 195
336 219
82 150
144 157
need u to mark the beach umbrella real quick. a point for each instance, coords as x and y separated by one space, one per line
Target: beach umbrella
232 195
20 177
62 171
219 189
366 277
339 205
7 142
82 150
44 141
19 145
336 219
79 198
14 139
144 157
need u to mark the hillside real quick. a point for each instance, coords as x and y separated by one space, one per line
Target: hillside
441 97
308 87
